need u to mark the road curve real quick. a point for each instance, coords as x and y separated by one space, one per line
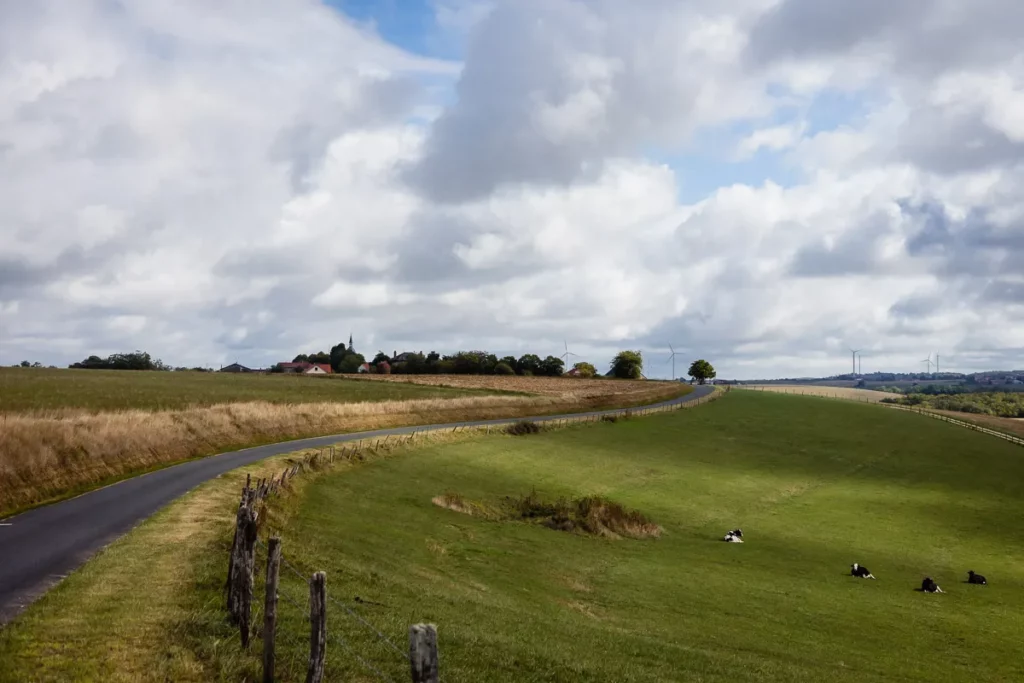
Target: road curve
40 547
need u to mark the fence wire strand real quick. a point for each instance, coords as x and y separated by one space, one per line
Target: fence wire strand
371 667
347 609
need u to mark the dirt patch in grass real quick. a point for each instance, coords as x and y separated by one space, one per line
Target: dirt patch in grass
522 428
591 515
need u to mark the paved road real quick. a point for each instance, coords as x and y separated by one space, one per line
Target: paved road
40 547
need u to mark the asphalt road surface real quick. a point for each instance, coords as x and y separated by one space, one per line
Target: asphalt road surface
40 547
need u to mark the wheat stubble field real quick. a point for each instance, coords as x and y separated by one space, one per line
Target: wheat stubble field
863 395
66 431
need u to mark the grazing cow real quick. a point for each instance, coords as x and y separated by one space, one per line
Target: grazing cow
976 578
929 586
862 572
734 536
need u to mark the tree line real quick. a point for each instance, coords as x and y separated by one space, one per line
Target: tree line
345 359
625 364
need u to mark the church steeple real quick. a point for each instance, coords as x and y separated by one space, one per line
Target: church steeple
350 349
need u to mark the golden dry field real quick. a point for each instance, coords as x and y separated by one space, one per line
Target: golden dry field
561 387
1009 425
865 395
50 453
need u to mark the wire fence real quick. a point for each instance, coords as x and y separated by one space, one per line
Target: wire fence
420 659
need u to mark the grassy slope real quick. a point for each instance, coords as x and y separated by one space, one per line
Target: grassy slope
45 389
816 485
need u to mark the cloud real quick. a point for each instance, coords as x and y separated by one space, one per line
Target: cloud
550 90
245 181
774 139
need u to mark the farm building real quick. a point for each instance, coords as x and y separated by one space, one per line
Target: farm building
318 369
301 366
235 367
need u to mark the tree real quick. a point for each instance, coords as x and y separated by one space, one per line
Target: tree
381 357
25 364
338 353
509 361
701 371
351 362
585 369
552 367
528 364
628 365
301 358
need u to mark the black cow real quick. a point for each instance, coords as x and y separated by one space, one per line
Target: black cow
976 578
734 536
929 586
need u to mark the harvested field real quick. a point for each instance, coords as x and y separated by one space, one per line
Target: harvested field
1008 425
43 457
65 391
562 387
864 395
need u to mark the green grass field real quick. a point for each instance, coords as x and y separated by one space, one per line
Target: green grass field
816 485
43 388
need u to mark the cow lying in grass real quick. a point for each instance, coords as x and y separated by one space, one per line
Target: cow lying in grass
929 586
860 571
976 578
734 536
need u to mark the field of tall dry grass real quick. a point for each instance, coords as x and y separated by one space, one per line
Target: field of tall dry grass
561 387
826 392
49 455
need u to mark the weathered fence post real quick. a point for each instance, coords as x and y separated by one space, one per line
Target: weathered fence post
242 566
423 653
270 607
317 628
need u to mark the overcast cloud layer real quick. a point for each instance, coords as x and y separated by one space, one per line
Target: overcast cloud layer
763 184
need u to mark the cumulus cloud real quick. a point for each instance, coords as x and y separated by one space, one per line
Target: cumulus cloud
241 180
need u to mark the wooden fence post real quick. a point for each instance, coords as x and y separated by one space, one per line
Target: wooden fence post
423 653
270 607
317 628
242 566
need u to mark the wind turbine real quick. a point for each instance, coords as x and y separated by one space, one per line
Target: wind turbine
860 366
672 357
928 360
855 352
565 356
936 362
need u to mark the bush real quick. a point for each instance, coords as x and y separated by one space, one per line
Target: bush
591 515
522 427
503 369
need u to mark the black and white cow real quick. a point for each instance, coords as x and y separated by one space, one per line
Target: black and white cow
929 586
860 571
976 578
734 536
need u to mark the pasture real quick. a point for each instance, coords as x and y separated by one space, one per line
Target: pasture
44 389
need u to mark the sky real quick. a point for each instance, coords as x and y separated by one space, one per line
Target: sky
762 183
